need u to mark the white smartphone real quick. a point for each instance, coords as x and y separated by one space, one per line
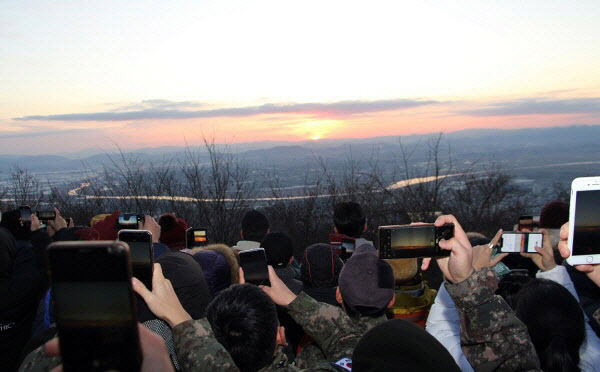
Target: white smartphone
584 221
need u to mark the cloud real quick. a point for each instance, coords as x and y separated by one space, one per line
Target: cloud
158 104
538 106
342 108
28 134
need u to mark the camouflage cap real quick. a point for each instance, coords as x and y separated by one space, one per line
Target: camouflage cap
365 280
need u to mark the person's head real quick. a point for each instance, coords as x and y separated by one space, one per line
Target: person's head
172 231
255 226
244 320
8 251
348 219
510 284
219 266
279 249
554 214
555 323
398 344
12 222
320 266
366 284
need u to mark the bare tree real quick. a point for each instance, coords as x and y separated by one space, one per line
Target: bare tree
24 188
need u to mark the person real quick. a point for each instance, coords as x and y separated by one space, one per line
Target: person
279 250
552 216
172 231
365 291
240 318
319 271
219 266
349 220
23 282
255 226
490 335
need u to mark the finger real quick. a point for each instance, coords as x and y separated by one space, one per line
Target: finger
140 288
563 248
242 278
57 212
498 258
496 238
425 264
546 242
51 348
564 231
57 369
459 233
585 268
528 255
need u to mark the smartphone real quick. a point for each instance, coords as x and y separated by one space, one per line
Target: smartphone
95 306
254 264
141 252
525 223
45 215
25 213
342 244
129 221
584 221
196 237
410 241
517 242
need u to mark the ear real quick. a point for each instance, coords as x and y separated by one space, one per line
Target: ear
280 341
335 230
241 234
338 296
291 260
392 301
365 228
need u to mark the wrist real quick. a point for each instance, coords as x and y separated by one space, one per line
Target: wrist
178 318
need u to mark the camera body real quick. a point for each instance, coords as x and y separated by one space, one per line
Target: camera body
411 241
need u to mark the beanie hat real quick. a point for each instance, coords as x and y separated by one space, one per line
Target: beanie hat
320 266
399 344
366 281
188 282
279 249
172 231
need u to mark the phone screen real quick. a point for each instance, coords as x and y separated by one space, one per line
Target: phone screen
141 253
195 237
95 311
587 223
254 264
524 242
199 236
127 221
25 214
46 215
526 223
414 237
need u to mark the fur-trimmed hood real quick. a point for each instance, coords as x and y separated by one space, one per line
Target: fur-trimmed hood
227 253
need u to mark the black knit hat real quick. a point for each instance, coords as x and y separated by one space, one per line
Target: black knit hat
279 249
400 345
320 266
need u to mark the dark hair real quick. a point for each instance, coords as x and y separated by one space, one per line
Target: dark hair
555 323
510 285
254 226
349 219
554 214
363 311
244 320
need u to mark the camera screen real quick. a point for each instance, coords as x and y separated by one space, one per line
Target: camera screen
417 237
200 236
587 223
140 252
46 215
129 220
515 243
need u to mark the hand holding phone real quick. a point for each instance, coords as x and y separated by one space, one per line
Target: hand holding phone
277 290
482 254
254 264
544 258
584 221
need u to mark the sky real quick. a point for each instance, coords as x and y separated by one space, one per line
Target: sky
96 74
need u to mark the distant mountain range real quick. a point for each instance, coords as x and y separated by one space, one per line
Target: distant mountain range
526 146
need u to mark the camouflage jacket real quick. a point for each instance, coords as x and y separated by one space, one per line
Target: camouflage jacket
311 354
198 350
491 336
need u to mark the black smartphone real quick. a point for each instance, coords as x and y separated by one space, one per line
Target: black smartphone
525 223
25 213
129 221
95 306
254 264
45 215
141 252
517 242
196 237
410 241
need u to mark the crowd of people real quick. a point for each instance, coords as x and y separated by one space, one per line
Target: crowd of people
321 310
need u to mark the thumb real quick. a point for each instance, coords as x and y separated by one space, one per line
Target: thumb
140 289
498 258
